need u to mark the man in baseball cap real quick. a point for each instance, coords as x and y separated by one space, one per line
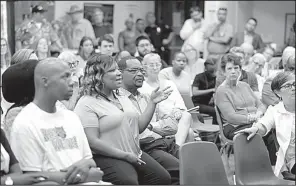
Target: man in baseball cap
36 28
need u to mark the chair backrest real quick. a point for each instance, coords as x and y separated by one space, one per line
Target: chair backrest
187 100
219 120
189 104
201 164
251 159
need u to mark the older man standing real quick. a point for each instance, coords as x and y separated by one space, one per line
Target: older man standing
78 28
100 27
219 34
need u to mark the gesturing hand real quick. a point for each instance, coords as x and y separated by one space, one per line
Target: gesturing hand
250 131
160 95
77 173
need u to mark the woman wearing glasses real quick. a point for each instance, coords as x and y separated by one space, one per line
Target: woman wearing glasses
282 118
173 107
77 74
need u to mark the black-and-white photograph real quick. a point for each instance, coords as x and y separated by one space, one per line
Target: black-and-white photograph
147 92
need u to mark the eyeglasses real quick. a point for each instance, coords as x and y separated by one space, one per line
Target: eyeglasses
73 64
152 65
144 45
288 86
136 70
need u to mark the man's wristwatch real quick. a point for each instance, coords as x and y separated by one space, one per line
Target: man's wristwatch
8 181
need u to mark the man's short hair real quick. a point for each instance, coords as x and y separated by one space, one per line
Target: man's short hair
140 19
223 8
254 19
122 63
194 9
140 38
106 37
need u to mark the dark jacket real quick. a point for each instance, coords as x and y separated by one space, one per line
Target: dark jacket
238 40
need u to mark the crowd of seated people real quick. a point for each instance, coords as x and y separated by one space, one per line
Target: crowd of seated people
119 118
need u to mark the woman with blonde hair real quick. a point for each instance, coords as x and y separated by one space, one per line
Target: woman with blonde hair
41 47
5 55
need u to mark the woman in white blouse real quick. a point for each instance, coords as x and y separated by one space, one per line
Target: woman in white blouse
282 118
173 107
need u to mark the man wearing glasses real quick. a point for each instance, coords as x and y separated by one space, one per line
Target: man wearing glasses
144 46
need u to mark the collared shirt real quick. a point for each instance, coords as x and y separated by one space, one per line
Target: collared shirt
104 28
284 122
224 30
30 31
75 32
193 37
140 101
248 38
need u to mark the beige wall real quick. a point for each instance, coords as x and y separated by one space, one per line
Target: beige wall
121 10
270 16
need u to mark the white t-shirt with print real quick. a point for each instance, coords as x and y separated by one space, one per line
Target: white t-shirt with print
44 141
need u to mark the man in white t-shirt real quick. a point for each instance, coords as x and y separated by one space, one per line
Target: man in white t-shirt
50 139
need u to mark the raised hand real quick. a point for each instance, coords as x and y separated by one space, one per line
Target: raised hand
160 95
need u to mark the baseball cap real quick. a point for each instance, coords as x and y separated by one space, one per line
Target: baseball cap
38 8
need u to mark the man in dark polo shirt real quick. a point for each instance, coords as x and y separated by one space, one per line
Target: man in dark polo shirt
160 35
100 28
203 88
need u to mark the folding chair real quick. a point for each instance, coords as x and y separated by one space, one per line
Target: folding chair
226 142
201 164
206 131
252 163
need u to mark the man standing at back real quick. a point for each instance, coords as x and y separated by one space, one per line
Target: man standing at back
100 27
78 28
219 34
160 35
248 36
37 27
50 139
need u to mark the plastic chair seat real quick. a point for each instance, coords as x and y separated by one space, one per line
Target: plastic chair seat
266 181
252 163
201 164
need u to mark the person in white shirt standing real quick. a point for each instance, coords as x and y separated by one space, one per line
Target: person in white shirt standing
50 139
193 30
282 118
192 33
